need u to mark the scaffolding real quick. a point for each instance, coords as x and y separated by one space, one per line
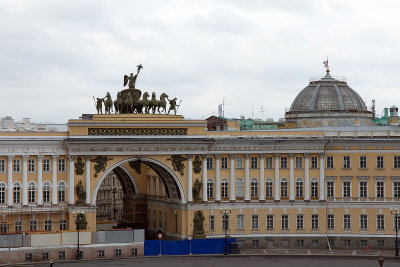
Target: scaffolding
33 218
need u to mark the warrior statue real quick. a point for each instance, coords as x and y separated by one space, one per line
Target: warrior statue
172 105
132 78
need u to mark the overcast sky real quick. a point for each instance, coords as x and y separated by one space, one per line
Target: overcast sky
56 55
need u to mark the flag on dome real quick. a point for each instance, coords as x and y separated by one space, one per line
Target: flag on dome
325 63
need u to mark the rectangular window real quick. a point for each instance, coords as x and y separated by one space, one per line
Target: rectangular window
268 188
239 187
117 252
211 222
300 222
31 165
48 225
380 189
346 162
239 162
254 222
346 189
285 221
363 243
330 189
209 163
18 226
134 252
254 163
394 223
240 222
268 163
379 162
299 162
363 189
363 162
45 256
380 243
396 189
346 221
61 165
16 165
100 253
160 218
154 218
314 221
224 163
283 162
380 222
299 188
346 243
225 222
61 255
314 162
63 225
300 243
284 188
363 222
329 162
2 165
32 225
28 256
46 165
3 227
270 222
331 221
396 162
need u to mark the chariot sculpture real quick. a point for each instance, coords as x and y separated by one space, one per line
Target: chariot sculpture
131 100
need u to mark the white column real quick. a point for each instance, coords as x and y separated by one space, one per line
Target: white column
40 180
277 197
54 183
87 179
10 180
232 178
291 176
190 179
262 182
246 177
322 176
217 179
25 180
205 199
307 177
71 181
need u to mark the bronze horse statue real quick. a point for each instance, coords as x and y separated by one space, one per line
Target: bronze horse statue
108 104
145 102
118 103
153 103
128 104
162 103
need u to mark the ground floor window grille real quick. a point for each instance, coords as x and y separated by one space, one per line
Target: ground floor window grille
61 255
134 251
100 253
28 256
45 256
117 253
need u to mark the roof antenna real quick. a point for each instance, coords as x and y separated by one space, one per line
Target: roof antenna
326 64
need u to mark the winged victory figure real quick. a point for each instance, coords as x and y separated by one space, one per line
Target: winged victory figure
132 78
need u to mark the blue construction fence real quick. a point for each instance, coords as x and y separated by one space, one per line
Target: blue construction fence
185 247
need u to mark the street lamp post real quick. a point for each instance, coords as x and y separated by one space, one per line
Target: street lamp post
395 213
115 209
159 238
79 216
225 212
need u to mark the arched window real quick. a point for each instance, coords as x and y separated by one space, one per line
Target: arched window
17 193
61 192
254 187
224 188
314 187
284 187
31 192
46 192
239 187
268 188
2 193
210 188
299 187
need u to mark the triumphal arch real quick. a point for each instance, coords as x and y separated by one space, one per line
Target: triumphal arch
327 176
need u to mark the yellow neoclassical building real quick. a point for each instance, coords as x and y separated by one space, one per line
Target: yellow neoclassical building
327 175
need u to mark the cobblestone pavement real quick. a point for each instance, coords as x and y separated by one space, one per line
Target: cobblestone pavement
243 260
